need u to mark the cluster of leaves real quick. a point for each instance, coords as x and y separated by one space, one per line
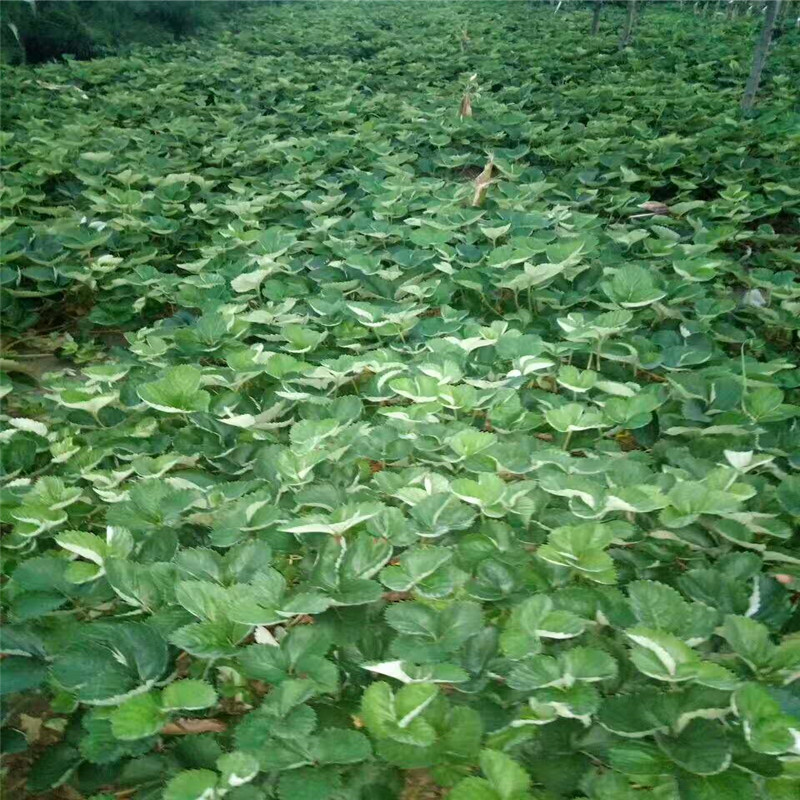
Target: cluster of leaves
383 479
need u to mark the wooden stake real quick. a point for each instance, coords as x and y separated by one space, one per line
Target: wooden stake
630 20
598 7
760 56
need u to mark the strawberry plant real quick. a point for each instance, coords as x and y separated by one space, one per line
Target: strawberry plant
357 446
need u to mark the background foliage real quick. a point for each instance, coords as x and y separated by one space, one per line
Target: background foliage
357 447
41 30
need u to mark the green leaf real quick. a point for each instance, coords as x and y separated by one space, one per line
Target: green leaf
111 661
440 513
763 402
137 717
576 380
486 493
658 606
788 494
581 547
420 569
730 785
307 784
462 739
100 746
661 655
749 640
178 392
147 586
203 599
588 664
690 500
85 545
637 758
188 694
612 786
766 728
412 700
192 784
636 714
535 673
342 747
508 779
237 768
474 789
377 709
209 639
21 674
633 287
574 417
470 442
700 748
399 718
301 651
53 768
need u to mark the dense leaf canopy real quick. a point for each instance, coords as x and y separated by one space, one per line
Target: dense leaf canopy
404 398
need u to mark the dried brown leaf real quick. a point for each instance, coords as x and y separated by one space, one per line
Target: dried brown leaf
396 597
482 183
186 727
31 727
419 785
655 207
